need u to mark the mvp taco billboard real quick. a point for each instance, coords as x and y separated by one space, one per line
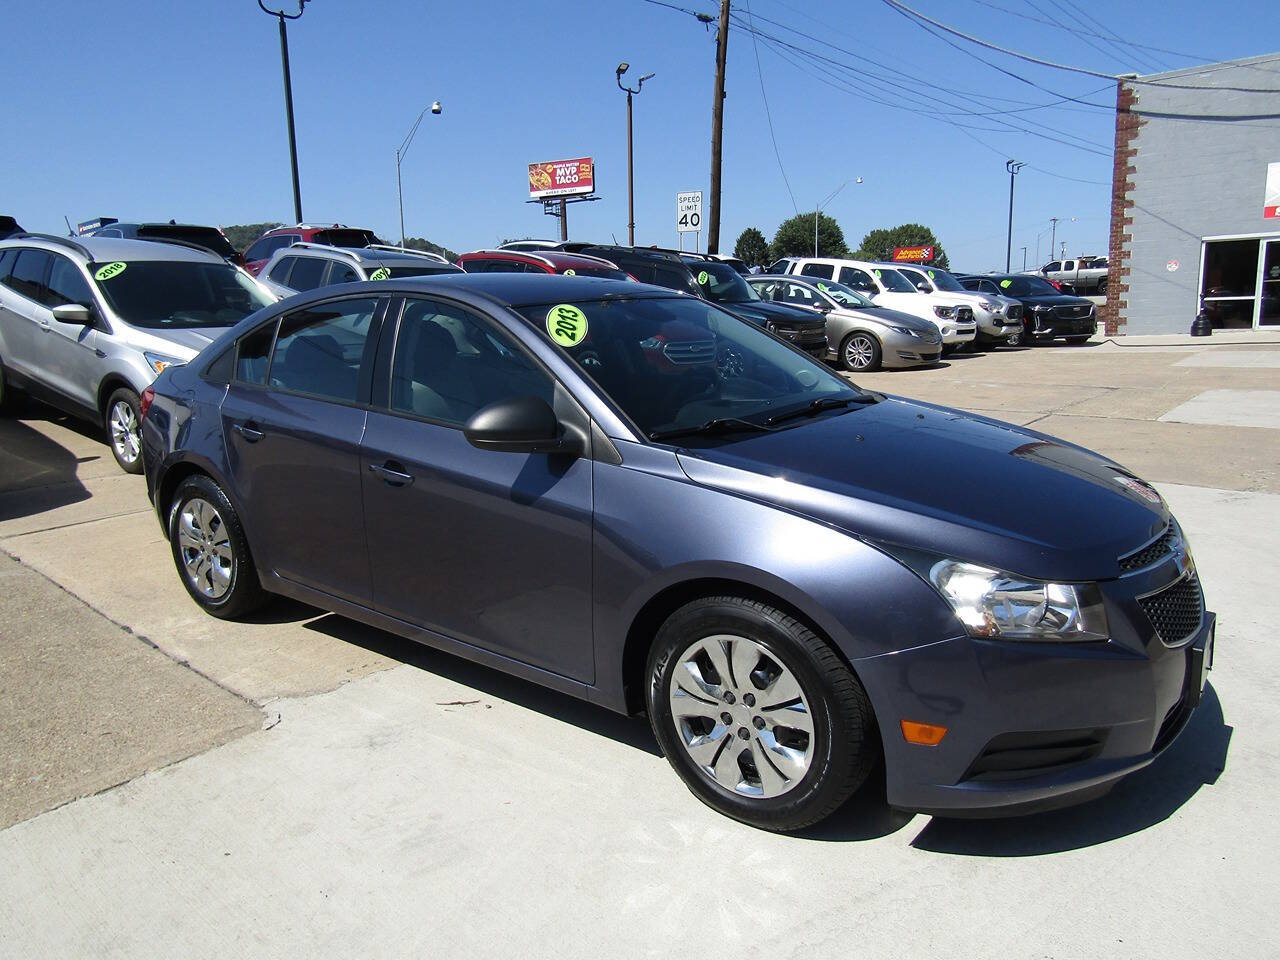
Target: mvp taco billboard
561 178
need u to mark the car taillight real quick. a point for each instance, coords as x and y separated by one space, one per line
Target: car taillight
1056 284
144 401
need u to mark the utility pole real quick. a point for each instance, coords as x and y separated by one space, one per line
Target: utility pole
717 130
1053 236
1024 259
1013 167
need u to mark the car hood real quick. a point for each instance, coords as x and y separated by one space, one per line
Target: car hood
189 341
775 312
945 482
886 315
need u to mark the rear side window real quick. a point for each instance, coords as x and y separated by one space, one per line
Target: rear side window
221 369
824 270
341 273
6 262
319 350
672 277
280 272
254 352
27 274
474 266
307 272
67 285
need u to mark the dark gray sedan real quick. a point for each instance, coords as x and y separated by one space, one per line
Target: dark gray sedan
566 479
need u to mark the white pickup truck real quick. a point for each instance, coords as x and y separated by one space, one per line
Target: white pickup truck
1081 275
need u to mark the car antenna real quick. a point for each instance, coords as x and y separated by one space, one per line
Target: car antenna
615 238
70 232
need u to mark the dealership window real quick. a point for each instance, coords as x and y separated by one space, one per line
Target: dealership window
1269 308
1229 283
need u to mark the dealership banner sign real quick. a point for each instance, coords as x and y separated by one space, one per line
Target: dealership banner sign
913 254
561 178
1271 203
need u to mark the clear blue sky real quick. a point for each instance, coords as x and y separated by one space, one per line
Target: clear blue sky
152 110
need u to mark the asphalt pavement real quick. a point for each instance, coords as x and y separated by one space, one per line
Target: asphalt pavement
173 785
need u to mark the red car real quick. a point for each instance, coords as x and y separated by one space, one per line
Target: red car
543 261
334 234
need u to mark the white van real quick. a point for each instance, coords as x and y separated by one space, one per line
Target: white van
888 288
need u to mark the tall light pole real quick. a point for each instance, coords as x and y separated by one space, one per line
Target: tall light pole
402 150
631 195
817 210
288 97
1024 259
1013 167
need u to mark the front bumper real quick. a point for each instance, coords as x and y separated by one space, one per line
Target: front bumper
1048 327
955 333
1030 726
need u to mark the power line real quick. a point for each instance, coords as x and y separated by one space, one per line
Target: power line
920 18
769 116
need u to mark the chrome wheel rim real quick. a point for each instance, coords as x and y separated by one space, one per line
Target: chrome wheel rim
124 432
859 352
205 545
741 716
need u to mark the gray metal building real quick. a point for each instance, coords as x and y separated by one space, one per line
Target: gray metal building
1195 209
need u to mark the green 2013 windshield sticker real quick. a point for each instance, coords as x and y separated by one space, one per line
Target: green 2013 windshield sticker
380 274
703 278
110 270
1005 283
567 325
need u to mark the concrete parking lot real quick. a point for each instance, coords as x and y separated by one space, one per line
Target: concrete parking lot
173 785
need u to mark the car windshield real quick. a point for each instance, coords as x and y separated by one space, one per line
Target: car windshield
345 237
943 280
607 273
679 363
720 283
894 281
844 295
411 270
1025 286
168 294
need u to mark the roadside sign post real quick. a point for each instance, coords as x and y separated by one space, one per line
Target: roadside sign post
689 217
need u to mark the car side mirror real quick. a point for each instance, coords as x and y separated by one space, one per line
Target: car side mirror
924 287
519 425
73 313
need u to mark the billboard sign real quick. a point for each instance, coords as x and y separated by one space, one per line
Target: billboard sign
689 212
1271 202
561 178
913 254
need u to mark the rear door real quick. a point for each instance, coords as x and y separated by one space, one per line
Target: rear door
292 420
486 547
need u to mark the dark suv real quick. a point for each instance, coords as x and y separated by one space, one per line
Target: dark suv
719 282
1047 312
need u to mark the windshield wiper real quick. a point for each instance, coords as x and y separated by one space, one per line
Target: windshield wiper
717 425
822 403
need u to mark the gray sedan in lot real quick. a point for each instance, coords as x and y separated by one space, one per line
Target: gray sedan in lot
861 335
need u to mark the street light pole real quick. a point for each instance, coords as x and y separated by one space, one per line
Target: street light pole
1013 167
288 97
1024 259
402 150
631 197
817 210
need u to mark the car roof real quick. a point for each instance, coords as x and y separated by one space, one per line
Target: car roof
558 259
526 289
108 249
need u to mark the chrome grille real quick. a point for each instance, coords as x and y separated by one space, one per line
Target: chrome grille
1072 312
1153 552
691 351
964 314
1176 611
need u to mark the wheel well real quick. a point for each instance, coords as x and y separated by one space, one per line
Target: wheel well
170 482
110 384
645 626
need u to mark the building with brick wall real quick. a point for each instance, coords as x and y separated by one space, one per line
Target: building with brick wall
1193 213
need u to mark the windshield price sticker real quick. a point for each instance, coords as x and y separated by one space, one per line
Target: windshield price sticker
822 287
703 278
110 270
1005 283
380 274
571 272
567 325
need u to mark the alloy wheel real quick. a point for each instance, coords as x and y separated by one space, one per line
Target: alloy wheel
205 544
125 436
859 352
741 716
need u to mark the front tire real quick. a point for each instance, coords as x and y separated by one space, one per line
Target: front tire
860 352
211 552
124 430
757 714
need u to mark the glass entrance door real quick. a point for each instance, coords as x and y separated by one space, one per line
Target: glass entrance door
1229 283
1269 287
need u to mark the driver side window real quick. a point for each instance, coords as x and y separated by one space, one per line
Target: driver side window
448 364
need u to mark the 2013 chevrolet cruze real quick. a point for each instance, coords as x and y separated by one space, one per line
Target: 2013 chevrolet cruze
634 497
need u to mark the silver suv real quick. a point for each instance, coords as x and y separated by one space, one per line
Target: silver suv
86 324
307 266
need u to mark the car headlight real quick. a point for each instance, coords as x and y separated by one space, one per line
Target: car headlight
906 331
990 306
945 313
1003 606
160 363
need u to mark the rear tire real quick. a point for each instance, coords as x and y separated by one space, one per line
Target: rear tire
211 552
124 430
801 735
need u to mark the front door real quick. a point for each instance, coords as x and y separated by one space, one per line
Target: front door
292 421
1269 289
490 548
72 348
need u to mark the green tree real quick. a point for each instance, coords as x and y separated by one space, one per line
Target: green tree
420 243
243 234
751 248
794 237
879 244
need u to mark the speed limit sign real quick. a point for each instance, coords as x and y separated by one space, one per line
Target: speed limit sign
689 212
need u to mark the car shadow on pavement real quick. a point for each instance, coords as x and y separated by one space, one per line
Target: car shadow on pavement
1146 798
39 473
485 681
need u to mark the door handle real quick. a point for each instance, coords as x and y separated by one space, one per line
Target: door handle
248 431
389 472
